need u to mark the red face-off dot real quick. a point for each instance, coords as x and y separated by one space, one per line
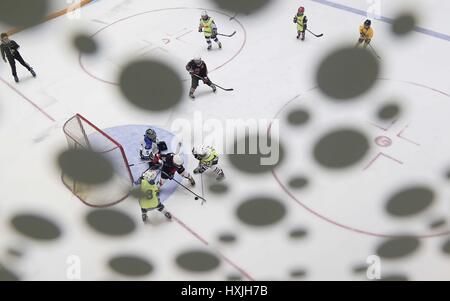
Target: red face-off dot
383 141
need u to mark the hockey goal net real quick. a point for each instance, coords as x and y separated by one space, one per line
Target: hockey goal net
83 134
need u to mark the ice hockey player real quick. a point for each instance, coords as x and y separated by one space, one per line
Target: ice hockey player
10 51
198 70
151 146
172 163
149 195
209 29
365 34
302 23
208 158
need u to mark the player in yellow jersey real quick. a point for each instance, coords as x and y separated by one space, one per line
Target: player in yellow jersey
302 23
149 194
209 29
365 34
208 158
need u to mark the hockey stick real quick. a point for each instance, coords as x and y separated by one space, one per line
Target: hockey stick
231 89
226 35
374 52
179 183
316 35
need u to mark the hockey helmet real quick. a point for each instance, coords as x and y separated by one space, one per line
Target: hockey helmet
177 160
198 60
367 23
150 175
200 152
205 15
151 134
301 10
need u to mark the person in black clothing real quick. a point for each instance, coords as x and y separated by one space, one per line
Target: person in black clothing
10 51
198 70
170 164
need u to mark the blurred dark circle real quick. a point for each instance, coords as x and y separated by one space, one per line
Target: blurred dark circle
85 44
110 222
23 13
227 237
396 248
219 188
85 166
251 163
298 233
197 261
404 24
298 182
347 73
341 148
261 211
7 275
410 201
298 117
36 227
131 265
151 85
240 6
389 111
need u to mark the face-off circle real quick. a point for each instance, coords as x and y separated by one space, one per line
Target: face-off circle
173 43
409 151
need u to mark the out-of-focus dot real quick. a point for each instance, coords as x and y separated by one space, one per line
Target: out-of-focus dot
23 13
256 161
360 268
85 44
15 252
7 275
298 273
151 85
394 277
131 265
447 175
110 222
438 223
298 182
261 211
85 166
298 117
410 201
446 247
197 261
398 247
389 112
227 237
239 6
36 227
341 148
234 277
219 188
298 233
347 73
404 24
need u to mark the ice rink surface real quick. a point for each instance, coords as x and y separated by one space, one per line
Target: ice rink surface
340 216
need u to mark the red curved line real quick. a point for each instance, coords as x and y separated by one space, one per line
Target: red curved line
80 56
327 219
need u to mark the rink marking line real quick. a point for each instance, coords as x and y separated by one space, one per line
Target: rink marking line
71 8
206 243
28 100
422 30
327 219
381 154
